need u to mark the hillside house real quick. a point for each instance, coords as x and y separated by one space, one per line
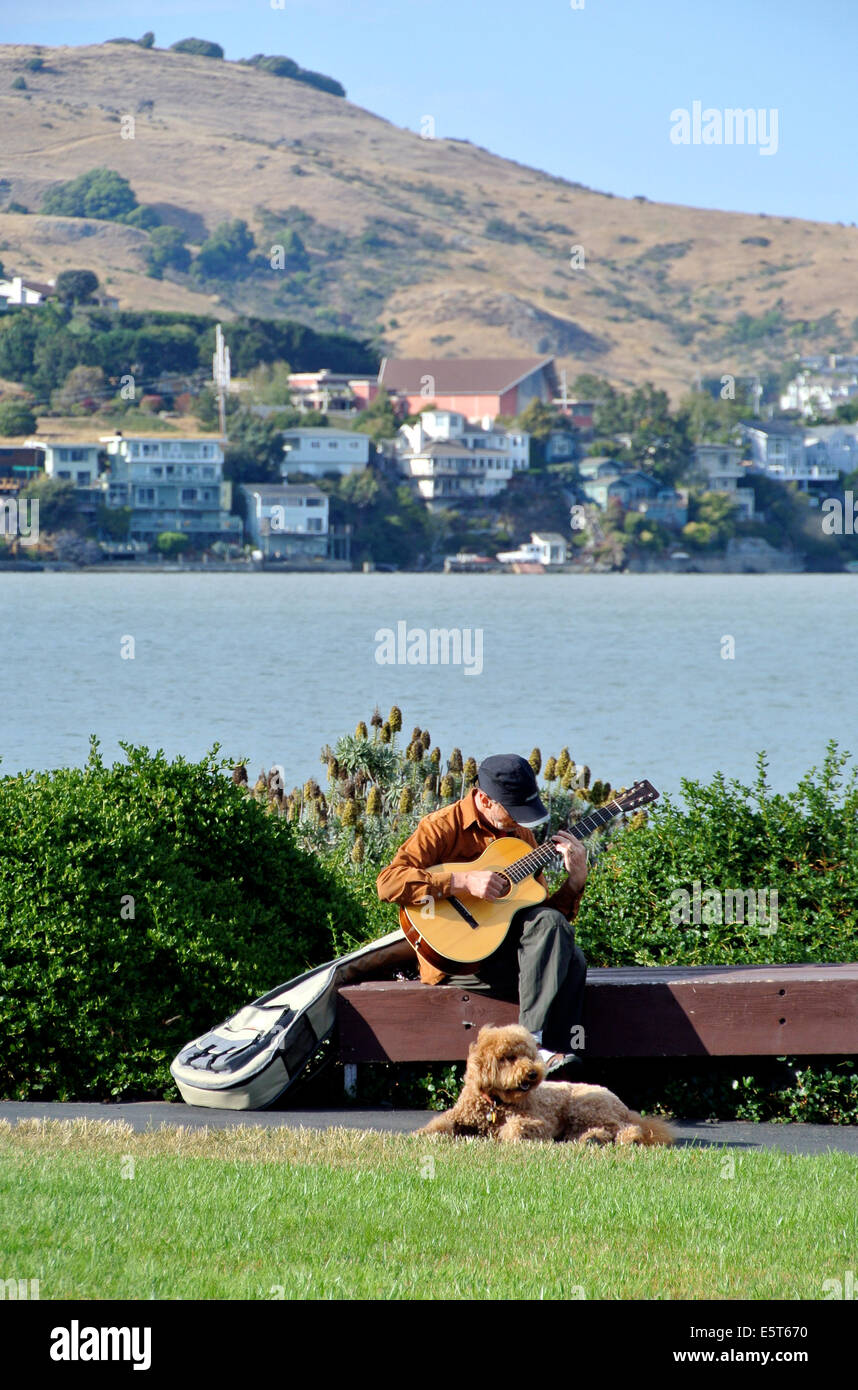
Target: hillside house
777 448
321 450
17 290
172 484
475 387
448 459
331 392
289 521
719 469
74 461
19 464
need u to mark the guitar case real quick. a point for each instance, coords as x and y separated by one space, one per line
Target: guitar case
249 1061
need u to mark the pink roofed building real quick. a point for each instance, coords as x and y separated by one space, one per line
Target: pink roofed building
476 387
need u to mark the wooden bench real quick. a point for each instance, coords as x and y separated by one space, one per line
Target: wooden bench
631 1011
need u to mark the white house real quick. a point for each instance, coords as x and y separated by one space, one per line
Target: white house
822 384
543 548
778 449
74 462
449 459
720 468
288 520
435 426
832 447
17 290
316 452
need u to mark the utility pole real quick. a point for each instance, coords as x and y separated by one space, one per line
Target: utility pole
221 376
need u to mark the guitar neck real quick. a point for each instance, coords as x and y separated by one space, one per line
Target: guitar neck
543 855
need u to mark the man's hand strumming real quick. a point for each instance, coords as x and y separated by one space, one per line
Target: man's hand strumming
480 883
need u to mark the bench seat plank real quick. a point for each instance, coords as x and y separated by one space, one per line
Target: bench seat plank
629 1011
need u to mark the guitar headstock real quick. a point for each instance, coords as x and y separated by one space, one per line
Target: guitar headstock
641 794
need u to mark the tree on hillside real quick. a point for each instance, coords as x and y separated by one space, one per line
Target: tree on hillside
82 385
539 419
101 194
76 286
143 216
202 47
287 252
379 419
16 417
269 384
225 254
166 251
57 503
255 450
711 419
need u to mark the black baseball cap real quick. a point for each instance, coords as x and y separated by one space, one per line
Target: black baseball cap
509 779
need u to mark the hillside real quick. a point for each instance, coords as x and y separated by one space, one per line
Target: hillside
437 245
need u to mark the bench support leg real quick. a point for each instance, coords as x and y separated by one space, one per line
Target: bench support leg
350 1070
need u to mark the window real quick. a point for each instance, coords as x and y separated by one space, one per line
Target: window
65 474
78 455
314 444
315 501
189 494
82 479
314 523
208 472
145 494
156 471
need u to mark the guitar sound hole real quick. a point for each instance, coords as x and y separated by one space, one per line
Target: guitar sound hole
508 887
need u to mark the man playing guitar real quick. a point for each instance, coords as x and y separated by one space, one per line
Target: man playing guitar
538 963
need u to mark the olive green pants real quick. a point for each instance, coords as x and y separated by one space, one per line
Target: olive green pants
540 966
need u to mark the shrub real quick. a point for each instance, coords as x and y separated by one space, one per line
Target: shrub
803 845
172 543
99 193
16 417
144 216
166 251
19 85
224 255
141 902
279 66
202 47
76 285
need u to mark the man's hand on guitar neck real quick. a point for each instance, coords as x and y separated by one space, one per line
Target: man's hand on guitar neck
574 858
480 883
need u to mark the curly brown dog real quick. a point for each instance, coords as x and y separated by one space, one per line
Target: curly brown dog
505 1098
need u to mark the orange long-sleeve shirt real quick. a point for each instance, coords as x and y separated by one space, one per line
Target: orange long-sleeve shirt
453 834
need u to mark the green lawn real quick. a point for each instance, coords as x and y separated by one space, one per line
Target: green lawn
260 1214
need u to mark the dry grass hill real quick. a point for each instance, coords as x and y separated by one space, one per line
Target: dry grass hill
435 244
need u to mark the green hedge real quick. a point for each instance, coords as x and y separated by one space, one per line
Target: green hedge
140 904
728 836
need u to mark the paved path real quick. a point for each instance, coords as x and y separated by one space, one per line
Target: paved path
790 1138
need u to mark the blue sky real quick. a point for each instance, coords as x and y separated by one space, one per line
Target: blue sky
586 93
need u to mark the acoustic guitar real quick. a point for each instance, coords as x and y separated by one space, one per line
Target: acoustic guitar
462 930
